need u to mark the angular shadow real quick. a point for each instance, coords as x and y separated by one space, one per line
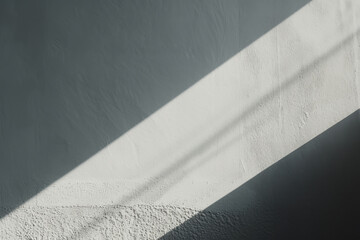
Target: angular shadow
312 193
77 75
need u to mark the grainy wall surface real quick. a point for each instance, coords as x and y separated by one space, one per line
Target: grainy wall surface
147 119
138 222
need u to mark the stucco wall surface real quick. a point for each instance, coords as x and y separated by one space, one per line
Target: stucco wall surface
124 119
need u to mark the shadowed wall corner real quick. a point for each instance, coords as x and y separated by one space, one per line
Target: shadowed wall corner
312 193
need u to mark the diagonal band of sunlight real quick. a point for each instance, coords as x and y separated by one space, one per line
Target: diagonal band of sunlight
183 165
180 165
224 123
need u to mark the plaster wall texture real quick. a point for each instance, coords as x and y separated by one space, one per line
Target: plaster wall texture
291 83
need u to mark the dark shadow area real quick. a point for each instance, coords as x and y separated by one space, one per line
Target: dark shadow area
76 75
313 193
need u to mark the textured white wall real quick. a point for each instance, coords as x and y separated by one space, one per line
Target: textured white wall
282 90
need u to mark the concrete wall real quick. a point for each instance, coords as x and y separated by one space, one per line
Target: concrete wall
124 119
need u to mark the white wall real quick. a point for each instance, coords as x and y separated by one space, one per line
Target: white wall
274 95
